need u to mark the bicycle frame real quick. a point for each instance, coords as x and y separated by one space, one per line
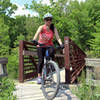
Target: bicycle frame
50 70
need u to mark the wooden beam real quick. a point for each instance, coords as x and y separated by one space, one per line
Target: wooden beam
21 62
29 53
67 60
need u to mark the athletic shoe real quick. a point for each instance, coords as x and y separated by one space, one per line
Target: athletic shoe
39 80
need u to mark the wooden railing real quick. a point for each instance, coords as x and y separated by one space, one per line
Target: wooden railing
73 60
27 60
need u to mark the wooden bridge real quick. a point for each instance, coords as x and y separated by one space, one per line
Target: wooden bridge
30 90
73 60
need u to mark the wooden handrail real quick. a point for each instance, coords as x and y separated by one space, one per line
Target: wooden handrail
73 58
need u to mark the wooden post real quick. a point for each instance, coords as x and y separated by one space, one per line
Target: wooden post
3 68
67 60
21 62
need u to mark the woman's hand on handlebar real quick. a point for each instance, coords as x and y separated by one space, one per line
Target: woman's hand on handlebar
35 42
62 47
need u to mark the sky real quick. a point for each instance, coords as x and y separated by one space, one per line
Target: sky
21 8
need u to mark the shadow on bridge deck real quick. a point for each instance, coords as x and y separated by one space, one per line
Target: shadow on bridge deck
30 90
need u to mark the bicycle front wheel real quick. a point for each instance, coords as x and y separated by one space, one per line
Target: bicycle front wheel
50 80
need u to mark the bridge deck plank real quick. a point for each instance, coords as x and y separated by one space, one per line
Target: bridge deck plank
30 90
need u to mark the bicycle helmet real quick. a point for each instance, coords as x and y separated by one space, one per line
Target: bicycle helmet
47 15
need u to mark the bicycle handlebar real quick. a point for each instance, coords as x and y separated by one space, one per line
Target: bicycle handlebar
37 43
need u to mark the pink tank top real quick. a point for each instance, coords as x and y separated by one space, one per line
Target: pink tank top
46 37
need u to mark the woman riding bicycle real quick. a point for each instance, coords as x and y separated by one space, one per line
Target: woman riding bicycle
46 33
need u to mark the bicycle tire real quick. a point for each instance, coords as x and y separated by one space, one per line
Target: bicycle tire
55 69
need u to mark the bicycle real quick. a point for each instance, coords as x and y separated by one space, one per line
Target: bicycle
50 75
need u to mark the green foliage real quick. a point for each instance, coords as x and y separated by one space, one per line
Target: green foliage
78 20
6 7
94 13
13 61
31 26
79 23
71 18
86 90
6 89
4 37
95 44
13 64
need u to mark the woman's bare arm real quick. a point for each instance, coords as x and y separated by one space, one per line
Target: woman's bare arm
37 33
57 36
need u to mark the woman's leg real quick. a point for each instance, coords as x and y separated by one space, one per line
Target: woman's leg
51 52
41 54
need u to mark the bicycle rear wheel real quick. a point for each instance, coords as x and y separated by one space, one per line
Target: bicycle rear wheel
50 80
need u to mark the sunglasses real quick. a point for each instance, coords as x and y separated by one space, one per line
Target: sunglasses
48 19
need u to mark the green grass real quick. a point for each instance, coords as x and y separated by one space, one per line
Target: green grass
6 89
86 90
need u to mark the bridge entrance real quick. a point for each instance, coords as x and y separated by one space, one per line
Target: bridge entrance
73 60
